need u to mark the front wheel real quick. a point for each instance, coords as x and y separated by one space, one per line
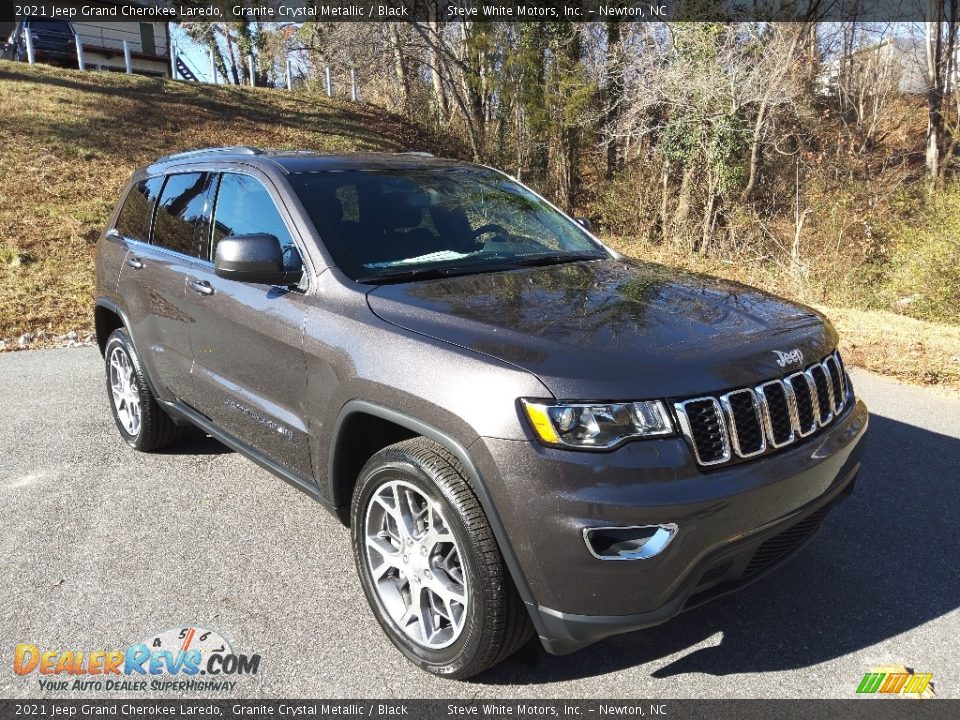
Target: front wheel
429 564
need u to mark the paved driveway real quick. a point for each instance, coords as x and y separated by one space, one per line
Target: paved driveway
102 546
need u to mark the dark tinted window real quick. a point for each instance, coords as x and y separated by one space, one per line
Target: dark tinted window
379 223
244 207
134 218
181 218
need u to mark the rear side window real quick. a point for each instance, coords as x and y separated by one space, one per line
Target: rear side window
182 217
244 207
134 219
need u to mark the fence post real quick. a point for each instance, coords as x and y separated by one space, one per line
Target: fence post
213 68
31 58
126 58
253 79
173 61
329 83
80 63
353 84
289 76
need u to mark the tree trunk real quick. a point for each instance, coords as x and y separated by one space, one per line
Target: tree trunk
614 96
439 93
400 68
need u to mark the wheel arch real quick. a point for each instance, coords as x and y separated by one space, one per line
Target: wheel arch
107 317
342 486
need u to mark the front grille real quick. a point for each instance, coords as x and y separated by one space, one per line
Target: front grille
748 422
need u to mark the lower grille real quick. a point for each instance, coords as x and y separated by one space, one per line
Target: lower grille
783 544
714 572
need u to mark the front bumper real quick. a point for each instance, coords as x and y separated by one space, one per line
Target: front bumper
734 524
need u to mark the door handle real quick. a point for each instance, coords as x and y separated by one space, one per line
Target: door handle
135 262
201 286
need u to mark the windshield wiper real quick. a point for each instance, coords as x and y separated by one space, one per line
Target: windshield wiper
504 265
427 273
553 259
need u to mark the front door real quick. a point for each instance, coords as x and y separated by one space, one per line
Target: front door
249 369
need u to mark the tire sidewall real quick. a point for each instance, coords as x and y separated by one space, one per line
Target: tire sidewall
119 338
443 661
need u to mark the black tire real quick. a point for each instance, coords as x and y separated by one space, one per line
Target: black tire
496 623
156 429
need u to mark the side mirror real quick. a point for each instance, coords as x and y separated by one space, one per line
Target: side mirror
255 258
585 223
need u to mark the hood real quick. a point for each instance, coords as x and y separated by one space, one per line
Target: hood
613 329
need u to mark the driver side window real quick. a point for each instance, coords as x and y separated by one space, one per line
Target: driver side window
244 207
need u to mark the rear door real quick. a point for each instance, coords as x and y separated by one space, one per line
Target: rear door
154 276
249 370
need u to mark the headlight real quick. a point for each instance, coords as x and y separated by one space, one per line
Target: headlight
597 426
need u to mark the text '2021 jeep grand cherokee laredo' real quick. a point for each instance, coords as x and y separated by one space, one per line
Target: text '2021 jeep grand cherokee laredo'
524 430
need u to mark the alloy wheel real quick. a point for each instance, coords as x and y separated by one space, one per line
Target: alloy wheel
415 564
125 390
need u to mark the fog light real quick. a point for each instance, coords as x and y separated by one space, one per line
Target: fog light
640 542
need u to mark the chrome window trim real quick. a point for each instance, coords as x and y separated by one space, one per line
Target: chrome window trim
734 433
687 431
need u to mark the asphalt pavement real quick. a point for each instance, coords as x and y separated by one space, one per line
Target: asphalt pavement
103 546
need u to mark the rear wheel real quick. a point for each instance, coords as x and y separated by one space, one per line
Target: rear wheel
140 420
429 564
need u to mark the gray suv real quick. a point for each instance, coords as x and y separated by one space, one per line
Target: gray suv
525 431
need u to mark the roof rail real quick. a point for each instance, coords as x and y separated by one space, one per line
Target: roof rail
416 153
234 150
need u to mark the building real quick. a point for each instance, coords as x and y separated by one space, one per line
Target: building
149 44
103 43
896 64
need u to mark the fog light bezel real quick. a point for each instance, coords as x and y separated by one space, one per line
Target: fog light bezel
658 541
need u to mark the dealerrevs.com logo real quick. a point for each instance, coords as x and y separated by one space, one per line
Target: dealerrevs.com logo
191 659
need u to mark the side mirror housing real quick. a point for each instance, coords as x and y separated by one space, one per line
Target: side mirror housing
255 258
585 223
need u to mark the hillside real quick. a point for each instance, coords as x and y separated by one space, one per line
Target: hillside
71 139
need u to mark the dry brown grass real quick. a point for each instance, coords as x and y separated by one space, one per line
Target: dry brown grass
917 351
69 140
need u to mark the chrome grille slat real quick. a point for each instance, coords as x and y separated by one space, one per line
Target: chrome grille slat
836 383
749 422
805 401
740 427
694 438
771 401
821 381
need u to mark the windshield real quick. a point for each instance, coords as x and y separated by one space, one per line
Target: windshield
381 225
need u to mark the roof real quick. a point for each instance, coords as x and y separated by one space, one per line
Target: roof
296 161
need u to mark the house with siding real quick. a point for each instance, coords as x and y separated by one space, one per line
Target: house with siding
103 42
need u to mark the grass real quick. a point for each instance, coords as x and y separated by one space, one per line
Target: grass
71 139
917 351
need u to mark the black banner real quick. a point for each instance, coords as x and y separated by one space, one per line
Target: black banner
860 709
469 10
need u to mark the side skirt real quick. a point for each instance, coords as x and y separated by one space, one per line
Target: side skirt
185 412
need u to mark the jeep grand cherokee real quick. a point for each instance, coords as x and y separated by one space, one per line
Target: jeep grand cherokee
525 431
